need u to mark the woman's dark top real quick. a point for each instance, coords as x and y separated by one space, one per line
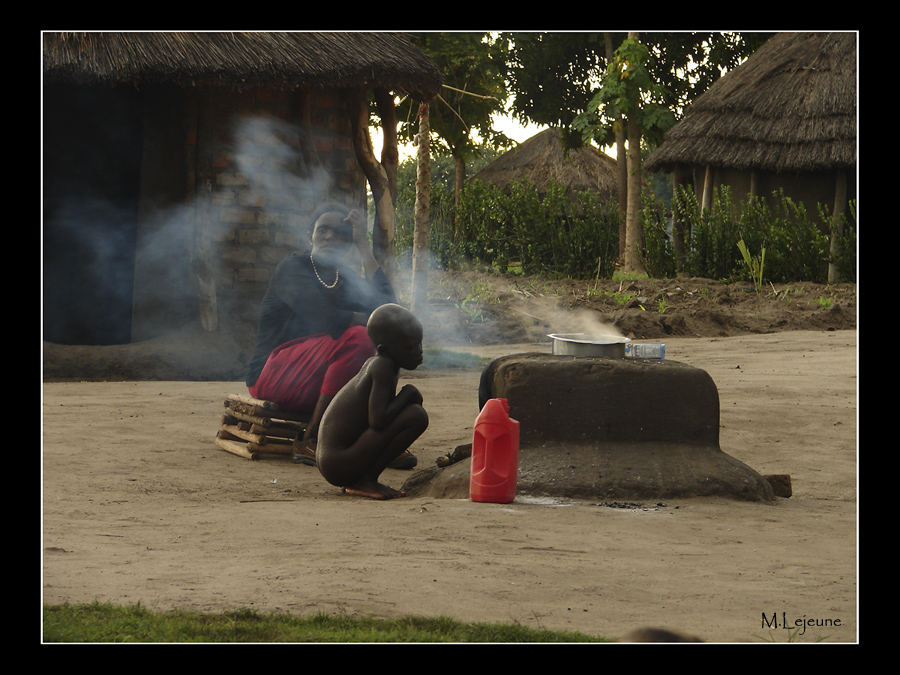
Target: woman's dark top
297 305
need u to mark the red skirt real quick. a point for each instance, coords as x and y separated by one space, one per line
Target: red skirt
298 372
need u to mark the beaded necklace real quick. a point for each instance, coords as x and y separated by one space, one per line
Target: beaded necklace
337 274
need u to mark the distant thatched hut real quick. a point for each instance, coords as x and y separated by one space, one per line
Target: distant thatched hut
783 119
179 168
543 158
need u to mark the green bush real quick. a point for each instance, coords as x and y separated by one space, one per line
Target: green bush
797 245
553 235
577 236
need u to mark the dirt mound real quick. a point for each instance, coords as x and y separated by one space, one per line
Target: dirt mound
491 309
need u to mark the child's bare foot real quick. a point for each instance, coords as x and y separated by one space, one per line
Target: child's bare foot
373 491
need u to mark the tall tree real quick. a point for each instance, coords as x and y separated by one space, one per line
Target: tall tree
553 79
381 175
473 65
628 94
420 258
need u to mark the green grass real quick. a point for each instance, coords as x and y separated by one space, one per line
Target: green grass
105 623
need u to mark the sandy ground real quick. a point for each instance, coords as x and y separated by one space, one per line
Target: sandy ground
139 506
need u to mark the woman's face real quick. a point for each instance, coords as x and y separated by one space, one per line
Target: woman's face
331 238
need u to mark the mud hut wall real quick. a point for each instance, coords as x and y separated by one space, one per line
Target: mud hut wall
258 162
163 280
811 188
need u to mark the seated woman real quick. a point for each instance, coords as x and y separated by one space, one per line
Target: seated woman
369 423
312 327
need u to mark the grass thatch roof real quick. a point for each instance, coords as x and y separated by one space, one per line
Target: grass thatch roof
791 106
259 59
543 157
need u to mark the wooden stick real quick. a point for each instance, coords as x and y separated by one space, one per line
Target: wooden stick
249 400
252 406
237 432
272 448
277 430
242 424
253 419
235 448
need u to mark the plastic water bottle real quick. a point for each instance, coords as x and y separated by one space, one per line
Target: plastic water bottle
495 454
645 351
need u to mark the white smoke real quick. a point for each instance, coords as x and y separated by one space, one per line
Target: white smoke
269 155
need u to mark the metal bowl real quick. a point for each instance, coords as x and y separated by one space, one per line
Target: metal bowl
588 344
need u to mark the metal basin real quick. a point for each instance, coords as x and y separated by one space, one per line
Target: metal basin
588 344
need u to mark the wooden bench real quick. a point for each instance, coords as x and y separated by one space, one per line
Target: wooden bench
253 428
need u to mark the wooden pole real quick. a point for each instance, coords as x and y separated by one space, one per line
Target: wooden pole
679 231
707 189
837 227
420 260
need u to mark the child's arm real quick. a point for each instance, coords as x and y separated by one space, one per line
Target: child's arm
384 406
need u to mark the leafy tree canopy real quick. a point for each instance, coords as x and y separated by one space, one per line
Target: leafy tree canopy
553 77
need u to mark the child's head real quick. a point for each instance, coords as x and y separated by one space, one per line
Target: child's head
396 333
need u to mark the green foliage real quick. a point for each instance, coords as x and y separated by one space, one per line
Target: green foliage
553 235
844 257
576 236
658 254
473 66
755 264
796 245
627 88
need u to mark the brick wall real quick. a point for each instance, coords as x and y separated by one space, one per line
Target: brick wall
264 186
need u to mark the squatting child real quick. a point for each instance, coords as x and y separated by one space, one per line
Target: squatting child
369 423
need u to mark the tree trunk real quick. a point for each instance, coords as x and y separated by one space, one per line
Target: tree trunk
390 152
621 159
622 169
633 237
680 235
420 259
459 181
379 179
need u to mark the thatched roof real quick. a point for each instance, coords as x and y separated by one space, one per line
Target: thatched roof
543 157
791 106
259 59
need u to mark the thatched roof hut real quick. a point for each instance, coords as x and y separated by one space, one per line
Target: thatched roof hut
786 117
543 157
180 168
243 60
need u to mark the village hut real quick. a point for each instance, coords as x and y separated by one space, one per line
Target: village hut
544 158
785 119
180 168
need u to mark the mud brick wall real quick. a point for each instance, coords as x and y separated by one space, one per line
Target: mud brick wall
274 156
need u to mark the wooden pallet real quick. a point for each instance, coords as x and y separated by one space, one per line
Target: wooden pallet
253 428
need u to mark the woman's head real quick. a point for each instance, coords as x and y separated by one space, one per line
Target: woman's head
330 233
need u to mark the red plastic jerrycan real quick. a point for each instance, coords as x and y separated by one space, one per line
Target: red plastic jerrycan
495 454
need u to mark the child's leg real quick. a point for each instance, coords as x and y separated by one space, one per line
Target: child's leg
358 468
